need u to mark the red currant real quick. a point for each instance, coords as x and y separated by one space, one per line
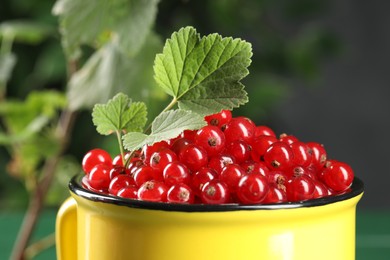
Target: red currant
194 156
180 193
338 176
210 138
240 150
275 195
153 191
278 156
176 172
218 162
128 192
252 167
302 155
143 174
252 189
99 177
118 182
318 155
95 157
300 188
215 192
219 119
149 150
231 175
240 128
159 160
264 130
201 177
320 190
288 139
260 145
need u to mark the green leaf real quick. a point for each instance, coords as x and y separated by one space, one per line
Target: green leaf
119 114
25 31
95 22
108 71
167 125
7 64
203 74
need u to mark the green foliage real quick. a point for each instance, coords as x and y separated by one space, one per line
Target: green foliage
126 23
25 31
203 74
120 114
167 125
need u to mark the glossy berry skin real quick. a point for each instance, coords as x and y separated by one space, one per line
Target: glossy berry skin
160 159
275 195
202 176
338 176
231 175
176 172
95 157
119 182
153 191
252 167
220 161
128 192
179 144
240 150
180 193
300 188
319 156
219 119
240 128
143 174
320 190
194 156
215 192
252 189
148 150
210 138
278 156
99 177
264 130
288 139
260 146
302 155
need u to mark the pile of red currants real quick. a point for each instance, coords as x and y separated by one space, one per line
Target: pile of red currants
230 160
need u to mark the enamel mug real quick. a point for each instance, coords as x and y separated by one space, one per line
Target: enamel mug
93 226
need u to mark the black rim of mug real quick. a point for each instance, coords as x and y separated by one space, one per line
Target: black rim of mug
75 186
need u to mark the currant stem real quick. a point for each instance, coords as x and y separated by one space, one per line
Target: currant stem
122 151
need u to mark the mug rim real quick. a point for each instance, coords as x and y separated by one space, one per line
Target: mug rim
75 186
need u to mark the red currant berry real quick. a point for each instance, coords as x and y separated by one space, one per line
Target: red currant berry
128 192
338 176
210 138
300 188
159 160
288 139
231 175
252 189
201 177
215 192
264 130
240 128
240 150
277 178
275 195
252 167
318 155
95 157
320 190
302 155
153 191
179 144
99 177
260 145
176 172
188 134
143 174
278 156
149 150
218 162
180 193
219 119
118 182
194 156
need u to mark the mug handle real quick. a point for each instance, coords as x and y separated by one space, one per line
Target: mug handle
66 230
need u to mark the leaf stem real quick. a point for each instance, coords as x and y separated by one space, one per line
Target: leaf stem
120 143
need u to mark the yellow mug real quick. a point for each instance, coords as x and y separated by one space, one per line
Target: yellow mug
101 227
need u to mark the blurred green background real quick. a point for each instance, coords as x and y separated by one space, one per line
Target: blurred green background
318 72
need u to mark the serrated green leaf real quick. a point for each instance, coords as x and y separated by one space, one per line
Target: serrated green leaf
167 125
119 114
108 71
203 74
94 22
